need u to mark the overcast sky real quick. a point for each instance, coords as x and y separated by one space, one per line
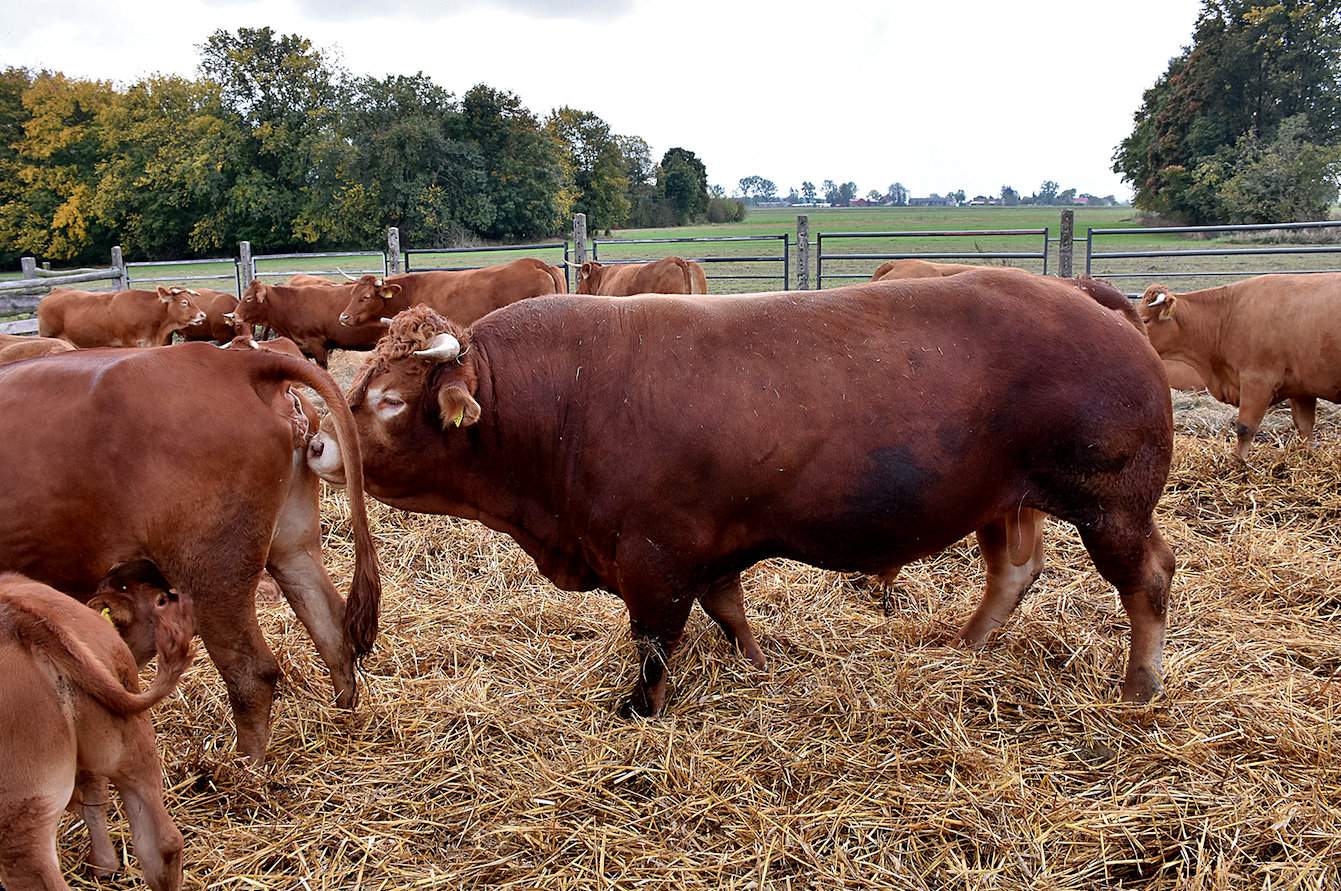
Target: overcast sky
937 95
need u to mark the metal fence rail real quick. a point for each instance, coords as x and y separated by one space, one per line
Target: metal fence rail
1297 250
563 264
257 259
783 258
235 276
820 256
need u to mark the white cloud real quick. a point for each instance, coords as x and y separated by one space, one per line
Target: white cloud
968 95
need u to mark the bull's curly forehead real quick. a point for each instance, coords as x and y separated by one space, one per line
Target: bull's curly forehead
410 331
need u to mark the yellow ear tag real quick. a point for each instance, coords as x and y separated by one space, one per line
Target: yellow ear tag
107 614
460 416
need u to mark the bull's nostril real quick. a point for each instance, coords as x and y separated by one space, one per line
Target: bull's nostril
316 448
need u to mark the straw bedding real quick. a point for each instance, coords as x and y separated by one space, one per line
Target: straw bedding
486 753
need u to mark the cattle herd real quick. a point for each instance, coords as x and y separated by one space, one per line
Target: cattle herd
639 436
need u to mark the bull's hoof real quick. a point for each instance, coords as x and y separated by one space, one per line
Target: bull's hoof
637 706
101 870
1141 687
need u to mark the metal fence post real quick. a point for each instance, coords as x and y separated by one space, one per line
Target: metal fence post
29 267
119 264
579 239
244 265
802 252
393 250
1066 244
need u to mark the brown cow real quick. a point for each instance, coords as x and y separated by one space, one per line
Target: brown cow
462 296
72 717
120 318
659 446
307 314
1254 343
107 457
218 326
669 275
913 268
16 347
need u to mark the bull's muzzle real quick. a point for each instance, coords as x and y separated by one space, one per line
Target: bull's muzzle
344 319
323 457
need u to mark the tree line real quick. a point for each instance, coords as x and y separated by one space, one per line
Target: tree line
761 190
1245 124
275 143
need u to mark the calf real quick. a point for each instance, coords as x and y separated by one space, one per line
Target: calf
1254 343
72 716
914 268
669 275
462 295
15 347
121 318
309 315
219 325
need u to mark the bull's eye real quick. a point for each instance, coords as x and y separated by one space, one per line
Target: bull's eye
392 401
183 303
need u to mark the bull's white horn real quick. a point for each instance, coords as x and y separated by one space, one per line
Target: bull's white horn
1162 298
442 348
378 282
230 316
345 274
385 321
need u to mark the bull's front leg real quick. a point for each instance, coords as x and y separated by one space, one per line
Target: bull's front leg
657 622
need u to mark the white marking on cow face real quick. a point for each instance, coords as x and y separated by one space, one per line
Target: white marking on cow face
386 404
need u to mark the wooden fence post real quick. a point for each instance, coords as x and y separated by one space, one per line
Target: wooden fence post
393 259
29 267
244 266
579 239
1066 246
802 252
123 274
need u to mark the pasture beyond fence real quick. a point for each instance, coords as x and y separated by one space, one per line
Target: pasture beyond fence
741 263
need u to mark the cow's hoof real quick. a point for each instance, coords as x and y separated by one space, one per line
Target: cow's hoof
1141 687
637 706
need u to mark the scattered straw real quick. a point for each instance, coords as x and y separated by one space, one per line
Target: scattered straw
486 752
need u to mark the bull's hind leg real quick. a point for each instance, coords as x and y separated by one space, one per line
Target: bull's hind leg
1134 557
28 857
1012 549
158 842
90 803
725 603
1304 411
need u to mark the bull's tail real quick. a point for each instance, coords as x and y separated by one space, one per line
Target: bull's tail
363 605
173 640
699 278
687 272
882 269
1110 297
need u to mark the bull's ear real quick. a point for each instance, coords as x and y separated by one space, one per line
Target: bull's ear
165 294
586 269
389 292
457 407
1158 301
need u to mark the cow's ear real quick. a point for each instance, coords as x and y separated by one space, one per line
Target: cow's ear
457 407
115 608
165 294
390 292
586 269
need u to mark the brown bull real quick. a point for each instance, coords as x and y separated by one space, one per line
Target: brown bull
913 268
669 275
309 315
462 296
1255 343
72 717
120 318
17 347
108 457
219 325
657 447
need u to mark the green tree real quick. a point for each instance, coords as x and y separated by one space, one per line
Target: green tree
897 194
682 182
1251 65
1009 197
808 190
596 164
524 165
1283 179
14 82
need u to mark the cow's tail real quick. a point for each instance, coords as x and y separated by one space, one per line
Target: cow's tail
688 274
363 605
1110 297
560 284
882 269
173 641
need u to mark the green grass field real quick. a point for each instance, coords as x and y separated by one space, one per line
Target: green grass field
1131 274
